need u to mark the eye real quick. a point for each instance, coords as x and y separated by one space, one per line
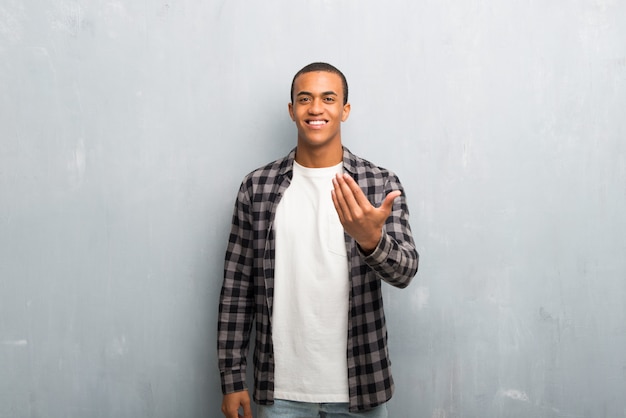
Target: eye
304 99
329 99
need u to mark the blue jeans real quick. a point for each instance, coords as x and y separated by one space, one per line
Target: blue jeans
290 409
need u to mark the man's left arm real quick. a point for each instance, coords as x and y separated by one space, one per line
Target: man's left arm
383 233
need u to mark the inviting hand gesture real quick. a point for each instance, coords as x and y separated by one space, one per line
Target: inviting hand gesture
361 220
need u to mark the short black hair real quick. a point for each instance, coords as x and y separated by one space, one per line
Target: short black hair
322 66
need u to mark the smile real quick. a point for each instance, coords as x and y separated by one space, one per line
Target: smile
316 122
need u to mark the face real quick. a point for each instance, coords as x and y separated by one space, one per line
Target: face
318 109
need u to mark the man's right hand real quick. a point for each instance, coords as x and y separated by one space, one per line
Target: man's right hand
232 402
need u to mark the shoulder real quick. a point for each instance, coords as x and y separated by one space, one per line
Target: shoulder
366 171
269 173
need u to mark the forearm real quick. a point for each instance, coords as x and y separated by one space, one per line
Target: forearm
394 262
395 258
236 315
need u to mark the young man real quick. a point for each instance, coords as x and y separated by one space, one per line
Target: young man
313 236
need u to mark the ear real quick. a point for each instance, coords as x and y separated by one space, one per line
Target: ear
290 106
346 112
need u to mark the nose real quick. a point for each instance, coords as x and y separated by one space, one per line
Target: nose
316 107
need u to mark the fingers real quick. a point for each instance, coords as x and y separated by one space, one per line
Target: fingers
230 413
342 197
338 206
348 197
355 191
350 201
247 410
232 402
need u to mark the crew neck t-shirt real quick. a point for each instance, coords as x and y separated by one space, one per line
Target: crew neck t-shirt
311 291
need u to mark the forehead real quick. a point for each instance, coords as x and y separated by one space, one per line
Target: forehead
318 81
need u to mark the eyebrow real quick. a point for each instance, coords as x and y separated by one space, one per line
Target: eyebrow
326 93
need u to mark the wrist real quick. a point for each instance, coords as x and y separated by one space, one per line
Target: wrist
368 247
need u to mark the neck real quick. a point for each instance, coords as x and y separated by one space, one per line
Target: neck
326 155
319 158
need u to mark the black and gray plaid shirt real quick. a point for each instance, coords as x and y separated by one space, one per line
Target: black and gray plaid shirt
248 289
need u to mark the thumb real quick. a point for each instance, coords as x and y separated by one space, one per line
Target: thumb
388 202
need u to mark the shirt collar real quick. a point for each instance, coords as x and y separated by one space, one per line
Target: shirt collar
349 162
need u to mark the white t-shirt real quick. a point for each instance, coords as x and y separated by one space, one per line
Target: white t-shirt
311 292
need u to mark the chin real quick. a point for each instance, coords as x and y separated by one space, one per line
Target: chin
317 144
319 141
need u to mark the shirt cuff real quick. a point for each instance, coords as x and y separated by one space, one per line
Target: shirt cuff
380 253
233 381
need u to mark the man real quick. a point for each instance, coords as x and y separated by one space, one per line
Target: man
313 236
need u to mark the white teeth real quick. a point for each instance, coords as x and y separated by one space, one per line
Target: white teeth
317 122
